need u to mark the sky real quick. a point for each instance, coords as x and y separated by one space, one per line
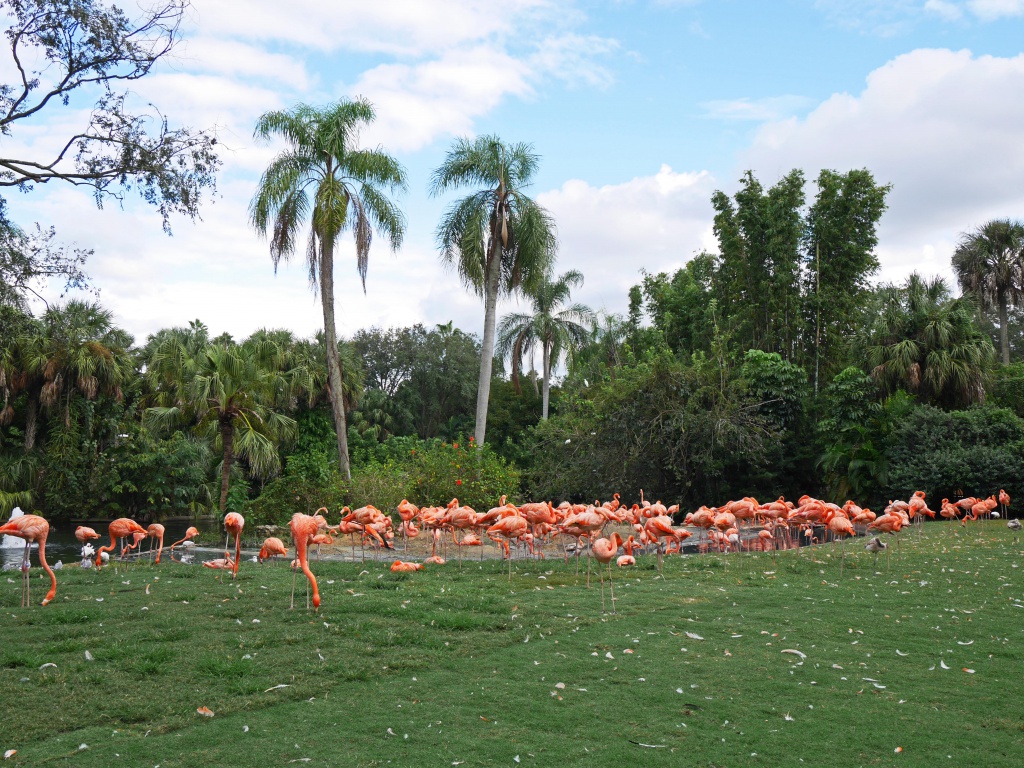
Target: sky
639 110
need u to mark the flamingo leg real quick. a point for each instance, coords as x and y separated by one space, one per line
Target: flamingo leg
601 572
26 581
611 585
294 574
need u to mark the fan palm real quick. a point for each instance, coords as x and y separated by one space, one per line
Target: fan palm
226 392
553 329
989 265
324 176
498 239
927 343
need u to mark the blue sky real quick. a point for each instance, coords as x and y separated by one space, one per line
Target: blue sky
640 109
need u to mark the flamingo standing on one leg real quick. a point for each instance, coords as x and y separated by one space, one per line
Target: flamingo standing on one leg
605 551
304 528
156 531
233 524
34 530
1004 501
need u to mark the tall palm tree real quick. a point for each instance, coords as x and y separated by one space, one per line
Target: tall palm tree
989 264
924 341
551 328
225 391
324 175
498 239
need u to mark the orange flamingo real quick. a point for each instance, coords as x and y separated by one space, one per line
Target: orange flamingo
120 528
190 534
625 560
319 540
156 531
400 566
304 528
605 551
272 547
511 527
1004 501
233 524
840 526
434 560
221 563
34 530
84 534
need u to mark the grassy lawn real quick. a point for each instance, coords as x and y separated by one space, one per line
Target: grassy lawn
464 667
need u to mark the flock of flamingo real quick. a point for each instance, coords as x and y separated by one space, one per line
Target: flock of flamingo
735 526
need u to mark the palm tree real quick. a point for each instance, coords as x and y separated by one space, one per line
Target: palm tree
550 328
927 343
76 349
340 187
224 391
498 239
989 264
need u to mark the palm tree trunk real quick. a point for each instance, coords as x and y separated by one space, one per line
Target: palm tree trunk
546 363
227 439
333 363
1004 330
31 421
483 391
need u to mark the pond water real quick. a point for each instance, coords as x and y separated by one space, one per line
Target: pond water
61 545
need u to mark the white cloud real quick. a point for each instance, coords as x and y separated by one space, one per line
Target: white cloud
942 127
761 110
396 27
417 103
572 58
944 9
610 232
989 10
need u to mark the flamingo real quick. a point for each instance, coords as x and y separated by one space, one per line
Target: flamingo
321 538
190 534
1004 500
407 512
156 531
511 527
840 526
624 560
304 528
34 530
120 528
233 524
605 551
220 564
400 566
84 534
272 547
434 560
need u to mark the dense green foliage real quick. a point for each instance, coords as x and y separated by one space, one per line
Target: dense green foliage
773 367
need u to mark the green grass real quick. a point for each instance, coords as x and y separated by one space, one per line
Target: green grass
463 666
